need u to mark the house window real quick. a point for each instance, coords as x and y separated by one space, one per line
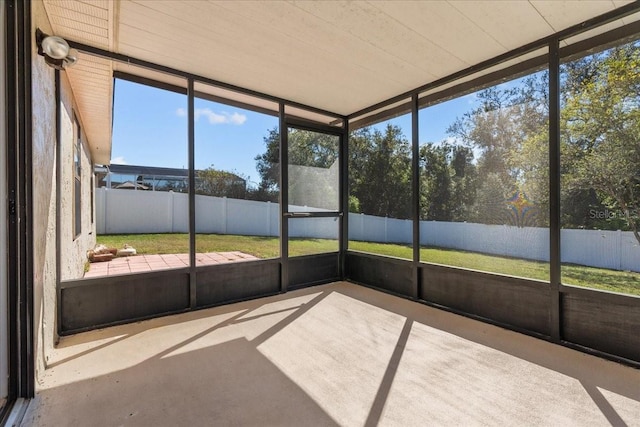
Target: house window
77 188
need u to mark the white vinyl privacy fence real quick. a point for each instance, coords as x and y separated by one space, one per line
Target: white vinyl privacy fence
130 212
617 250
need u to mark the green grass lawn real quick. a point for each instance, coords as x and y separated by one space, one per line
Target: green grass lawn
590 277
261 247
268 247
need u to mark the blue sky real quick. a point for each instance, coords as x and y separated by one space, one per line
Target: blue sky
150 129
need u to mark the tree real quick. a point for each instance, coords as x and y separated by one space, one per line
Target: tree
499 162
493 129
268 163
262 194
580 208
313 168
600 147
380 171
601 128
464 182
491 205
214 182
509 132
435 183
532 159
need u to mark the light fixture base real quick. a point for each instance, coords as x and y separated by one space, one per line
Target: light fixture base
56 51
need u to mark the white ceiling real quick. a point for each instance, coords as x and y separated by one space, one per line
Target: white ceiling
340 56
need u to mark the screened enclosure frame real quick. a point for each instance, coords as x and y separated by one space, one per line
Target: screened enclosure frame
286 215
408 278
20 313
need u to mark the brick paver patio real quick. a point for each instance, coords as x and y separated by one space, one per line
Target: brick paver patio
142 263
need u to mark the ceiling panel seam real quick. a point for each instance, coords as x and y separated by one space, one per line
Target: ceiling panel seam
543 17
349 64
373 4
363 40
578 28
504 48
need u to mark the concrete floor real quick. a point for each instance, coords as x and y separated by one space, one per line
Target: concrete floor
337 354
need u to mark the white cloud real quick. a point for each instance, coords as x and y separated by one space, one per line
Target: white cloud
119 161
237 118
215 118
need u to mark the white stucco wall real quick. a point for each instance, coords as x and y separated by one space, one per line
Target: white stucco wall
44 196
74 248
44 163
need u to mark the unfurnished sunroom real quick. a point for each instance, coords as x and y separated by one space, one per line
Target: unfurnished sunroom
479 158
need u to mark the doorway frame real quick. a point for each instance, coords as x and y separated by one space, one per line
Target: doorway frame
322 264
18 252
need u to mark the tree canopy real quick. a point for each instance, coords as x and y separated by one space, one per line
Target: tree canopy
380 171
219 183
601 131
379 164
313 168
493 167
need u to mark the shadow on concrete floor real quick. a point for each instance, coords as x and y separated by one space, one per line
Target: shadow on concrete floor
337 354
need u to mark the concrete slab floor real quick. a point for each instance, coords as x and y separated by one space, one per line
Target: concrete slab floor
337 354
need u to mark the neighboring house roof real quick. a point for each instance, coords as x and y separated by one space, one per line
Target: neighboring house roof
148 170
157 172
129 185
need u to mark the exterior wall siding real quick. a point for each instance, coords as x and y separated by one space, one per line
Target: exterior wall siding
73 248
44 196
44 186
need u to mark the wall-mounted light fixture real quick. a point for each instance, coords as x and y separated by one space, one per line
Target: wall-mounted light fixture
56 51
